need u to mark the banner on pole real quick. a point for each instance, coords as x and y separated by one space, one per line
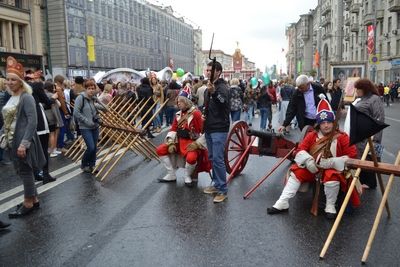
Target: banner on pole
90 48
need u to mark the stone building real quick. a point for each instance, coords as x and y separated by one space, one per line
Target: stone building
127 33
338 31
20 33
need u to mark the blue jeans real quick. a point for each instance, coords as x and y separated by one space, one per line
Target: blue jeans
249 114
90 136
235 115
216 146
1 154
266 114
64 130
169 114
157 121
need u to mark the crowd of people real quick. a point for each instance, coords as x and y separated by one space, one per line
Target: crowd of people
40 119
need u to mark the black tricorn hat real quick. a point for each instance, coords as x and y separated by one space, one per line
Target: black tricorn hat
363 126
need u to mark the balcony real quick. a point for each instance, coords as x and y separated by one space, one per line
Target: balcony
369 19
380 14
326 9
394 5
304 34
355 8
325 21
326 35
354 27
347 21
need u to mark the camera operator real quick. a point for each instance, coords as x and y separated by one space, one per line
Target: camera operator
86 114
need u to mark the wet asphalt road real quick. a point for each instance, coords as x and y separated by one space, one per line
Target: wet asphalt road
131 220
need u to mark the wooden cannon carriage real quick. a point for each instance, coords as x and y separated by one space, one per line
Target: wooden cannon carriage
242 142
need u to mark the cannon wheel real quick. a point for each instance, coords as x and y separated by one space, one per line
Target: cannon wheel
235 146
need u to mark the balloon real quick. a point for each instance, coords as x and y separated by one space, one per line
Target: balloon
180 72
254 82
174 76
266 79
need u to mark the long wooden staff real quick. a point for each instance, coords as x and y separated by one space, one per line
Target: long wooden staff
109 130
78 143
344 205
120 136
379 214
381 185
121 145
133 140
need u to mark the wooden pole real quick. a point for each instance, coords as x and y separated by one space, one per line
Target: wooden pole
381 185
343 207
379 214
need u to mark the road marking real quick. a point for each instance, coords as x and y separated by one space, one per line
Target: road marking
392 119
17 200
12 203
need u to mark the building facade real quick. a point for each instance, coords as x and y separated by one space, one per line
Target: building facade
338 31
247 71
129 33
20 33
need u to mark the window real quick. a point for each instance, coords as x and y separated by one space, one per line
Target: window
103 9
21 34
389 24
398 47
19 3
398 21
381 28
70 23
1 33
72 56
13 37
82 26
388 49
76 25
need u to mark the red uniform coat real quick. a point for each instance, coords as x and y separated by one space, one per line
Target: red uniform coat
340 147
194 124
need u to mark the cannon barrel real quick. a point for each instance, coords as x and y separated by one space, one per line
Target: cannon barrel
260 134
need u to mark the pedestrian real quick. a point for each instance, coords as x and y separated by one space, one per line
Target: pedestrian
336 95
216 127
105 96
200 95
19 129
87 115
311 161
250 102
145 92
264 104
303 104
183 145
158 94
171 106
43 102
54 119
286 93
235 99
368 102
4 96
386 95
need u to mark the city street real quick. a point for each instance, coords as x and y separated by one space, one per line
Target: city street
132 220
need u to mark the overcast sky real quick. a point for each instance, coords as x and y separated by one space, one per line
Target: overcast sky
258 25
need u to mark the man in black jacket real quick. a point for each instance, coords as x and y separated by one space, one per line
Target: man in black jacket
216 127
303 103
